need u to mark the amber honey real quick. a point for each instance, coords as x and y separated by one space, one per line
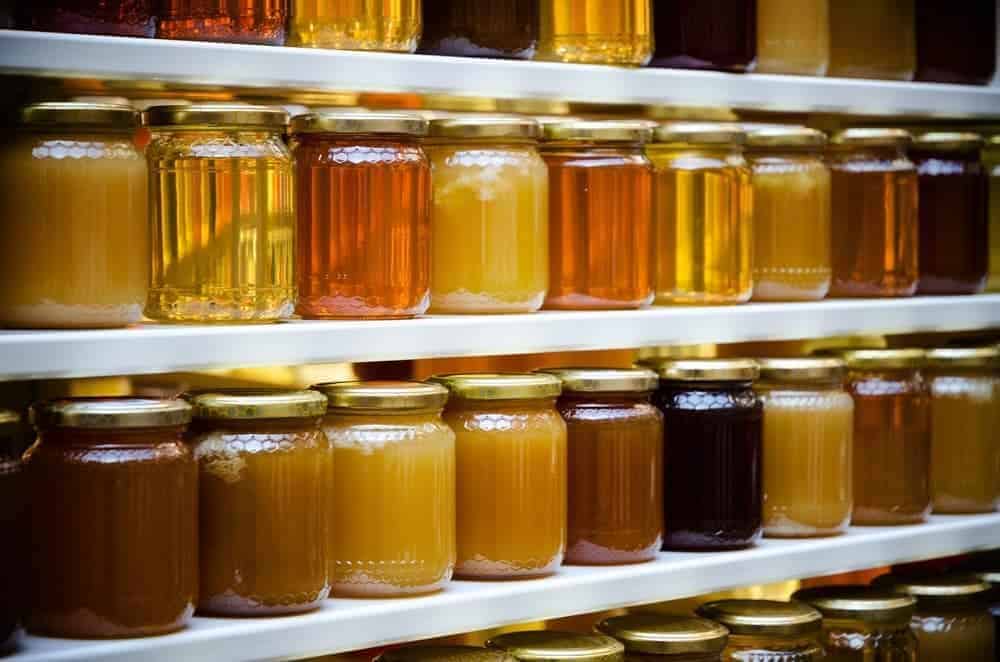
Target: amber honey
363 25
793 37
240 21
991 159
595 32
872 39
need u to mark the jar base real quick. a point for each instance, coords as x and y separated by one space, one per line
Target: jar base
222 305
85 624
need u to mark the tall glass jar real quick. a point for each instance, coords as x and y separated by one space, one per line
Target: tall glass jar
356 25
991 161
510 450
472 28
542 645
615 449
364 215
874 214
490 217
954 228
392 517
767 630
78 259
124 18
872 39
793 37
956 46
263 468
595 31
243 22
600 225
114 490
702 214
654 637
706 34
222 215
713 486
13 510
791 214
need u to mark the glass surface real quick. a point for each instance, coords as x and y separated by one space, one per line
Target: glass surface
364 227
712 480
472 28
764 648
872 39
13 553
126 18
891 446
237 21
791 226
875 223
223 226
600 234
511 476
393 527
122 504
705 34
848 640
490 227
595 31
359 25
953 631
956 44
78 259
991 160
702 215
793 37
615 446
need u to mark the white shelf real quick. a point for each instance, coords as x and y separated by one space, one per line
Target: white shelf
344 625
200 63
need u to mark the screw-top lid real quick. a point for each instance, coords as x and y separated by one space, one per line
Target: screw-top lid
355 122
604 380
636 131
662 634
553 646
871 138
445 654
211 115
706 370
865 603
485 126
949 141
105 413
398 396
498 386
763 616
786 136
80 114
256 403
942 586
883 358
964 357
699 133
801 370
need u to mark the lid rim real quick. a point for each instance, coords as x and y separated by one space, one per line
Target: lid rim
662 634
499 386
746 617
486 127
871 137
802 370
604 380
110 413
598 131
386 397
544 646
706 370
255 404
209 115
342 122
69 114
699 133
944 358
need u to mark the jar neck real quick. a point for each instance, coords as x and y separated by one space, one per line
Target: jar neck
457 403
255 424
473 143
793 385
863 152
67 436
614 398
858 625
388 139
958 156
592 147
670 385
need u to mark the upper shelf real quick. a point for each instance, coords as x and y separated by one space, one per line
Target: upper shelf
233 65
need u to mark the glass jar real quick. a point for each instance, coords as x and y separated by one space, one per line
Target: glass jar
956 46
615 449
595 31
706 34
991 162
356 25
242 22
655 637
13 553
124 18
713 488
892 440
490 216
551 645
392 529
863 624
432 653
364 221
702 214
222 215
89 241
872 39
767 630
600 225
793 37
791 214
954 228
965 417
808 445
263 468
125 509
510 450
874 214
471 28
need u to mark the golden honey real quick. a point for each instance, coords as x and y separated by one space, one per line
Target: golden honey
793 37
872 39
595 32
358 25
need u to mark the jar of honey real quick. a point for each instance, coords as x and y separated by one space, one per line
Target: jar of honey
655 637
793 37
13 504
244 22
767 630
123 18
706 34
991 162
552 645
872 39
956 46
356 25
595 31
471 28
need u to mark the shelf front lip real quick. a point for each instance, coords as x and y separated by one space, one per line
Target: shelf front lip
153 349
344 625
281 68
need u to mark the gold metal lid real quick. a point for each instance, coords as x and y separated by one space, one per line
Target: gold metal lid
604 380
663 634
397 396
763 616
949 141
635 131
799 370
883 358
706 370
255 403
485 126
427 653
500 386
786 136
989 576
699 133
79 114
211 115
871 138
115 412
863 603
8 417
964 357
942 586
553 646
354 122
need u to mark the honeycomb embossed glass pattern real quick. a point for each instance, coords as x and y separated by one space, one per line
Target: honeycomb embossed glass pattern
357 25
238 21
595 31
124 18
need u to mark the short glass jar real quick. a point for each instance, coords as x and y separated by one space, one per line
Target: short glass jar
113 489
793 37
954 227
363 241
615 450
13 509
706 34
874 214
702 214
552 645
124 18
956 46
471 28
78 259
872 39
356 25
654 637
767 630
600 224
808 447
510 450
222 216
263 469
595 31
991 162
243 22
432 653
392 524
713 487
490 216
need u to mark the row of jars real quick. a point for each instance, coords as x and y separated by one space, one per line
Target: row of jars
372 218
271 500
887 39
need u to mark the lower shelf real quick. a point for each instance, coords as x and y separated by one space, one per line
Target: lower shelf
344 625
